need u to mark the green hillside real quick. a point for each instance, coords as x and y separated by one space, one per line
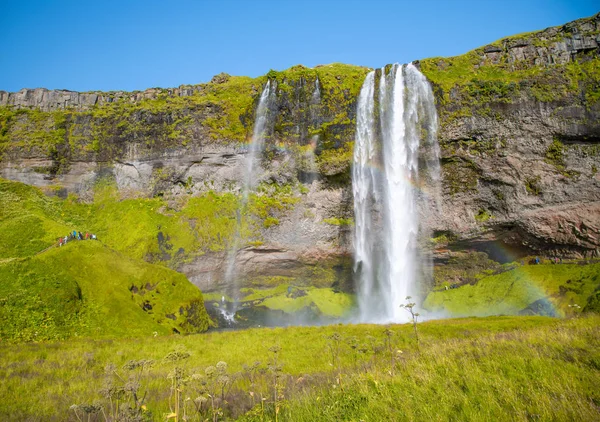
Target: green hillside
141 228
29 220
84 288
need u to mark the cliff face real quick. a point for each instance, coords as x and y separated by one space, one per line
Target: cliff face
61 99
519 133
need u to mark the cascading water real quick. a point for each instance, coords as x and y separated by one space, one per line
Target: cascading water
316 96
314 105
267 99
396 128
253 157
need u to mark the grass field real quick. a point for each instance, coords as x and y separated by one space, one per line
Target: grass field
495 368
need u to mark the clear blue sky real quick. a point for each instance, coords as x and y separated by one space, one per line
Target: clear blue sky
132 45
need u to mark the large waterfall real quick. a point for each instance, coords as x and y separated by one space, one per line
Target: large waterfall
396 130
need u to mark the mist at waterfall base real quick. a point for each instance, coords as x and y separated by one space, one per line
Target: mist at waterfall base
395 181
396 131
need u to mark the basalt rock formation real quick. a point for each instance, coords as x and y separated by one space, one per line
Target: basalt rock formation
519 134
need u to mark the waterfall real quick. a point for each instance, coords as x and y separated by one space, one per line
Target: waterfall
396 129
262 121
316 96
314 108
267 99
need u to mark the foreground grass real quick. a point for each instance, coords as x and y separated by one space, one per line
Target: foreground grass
549 373
495 368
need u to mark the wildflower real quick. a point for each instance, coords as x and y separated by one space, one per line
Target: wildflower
222 367
200 400
210 371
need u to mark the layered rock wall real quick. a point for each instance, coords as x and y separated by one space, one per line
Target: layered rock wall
62 99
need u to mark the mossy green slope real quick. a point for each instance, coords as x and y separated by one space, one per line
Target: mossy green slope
85 288
147 228
287 298
29 220
562 289
141 228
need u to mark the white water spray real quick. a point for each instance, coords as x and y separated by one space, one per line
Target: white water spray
255 150
309 155
316 96
385 181
267 99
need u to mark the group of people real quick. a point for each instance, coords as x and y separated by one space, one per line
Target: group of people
553 260
76 236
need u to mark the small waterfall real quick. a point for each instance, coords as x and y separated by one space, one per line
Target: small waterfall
309 155
265 103
251 177
316 96
396 129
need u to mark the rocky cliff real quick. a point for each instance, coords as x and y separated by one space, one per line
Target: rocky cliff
519 133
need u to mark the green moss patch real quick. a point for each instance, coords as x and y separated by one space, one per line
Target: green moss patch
86 289
460 175
562 289
323 300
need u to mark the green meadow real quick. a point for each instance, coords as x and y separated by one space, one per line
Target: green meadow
474 369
